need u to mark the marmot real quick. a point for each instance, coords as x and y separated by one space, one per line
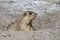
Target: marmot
25 23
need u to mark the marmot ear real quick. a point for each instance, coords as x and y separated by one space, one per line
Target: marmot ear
24 14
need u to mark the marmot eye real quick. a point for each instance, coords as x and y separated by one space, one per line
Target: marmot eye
30 13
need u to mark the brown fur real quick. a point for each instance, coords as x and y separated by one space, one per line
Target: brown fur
25 23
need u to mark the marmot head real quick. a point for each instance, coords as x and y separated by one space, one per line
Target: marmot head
29 15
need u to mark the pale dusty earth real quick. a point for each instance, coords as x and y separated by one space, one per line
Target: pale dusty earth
47 22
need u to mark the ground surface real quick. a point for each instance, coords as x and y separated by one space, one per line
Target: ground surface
47 22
